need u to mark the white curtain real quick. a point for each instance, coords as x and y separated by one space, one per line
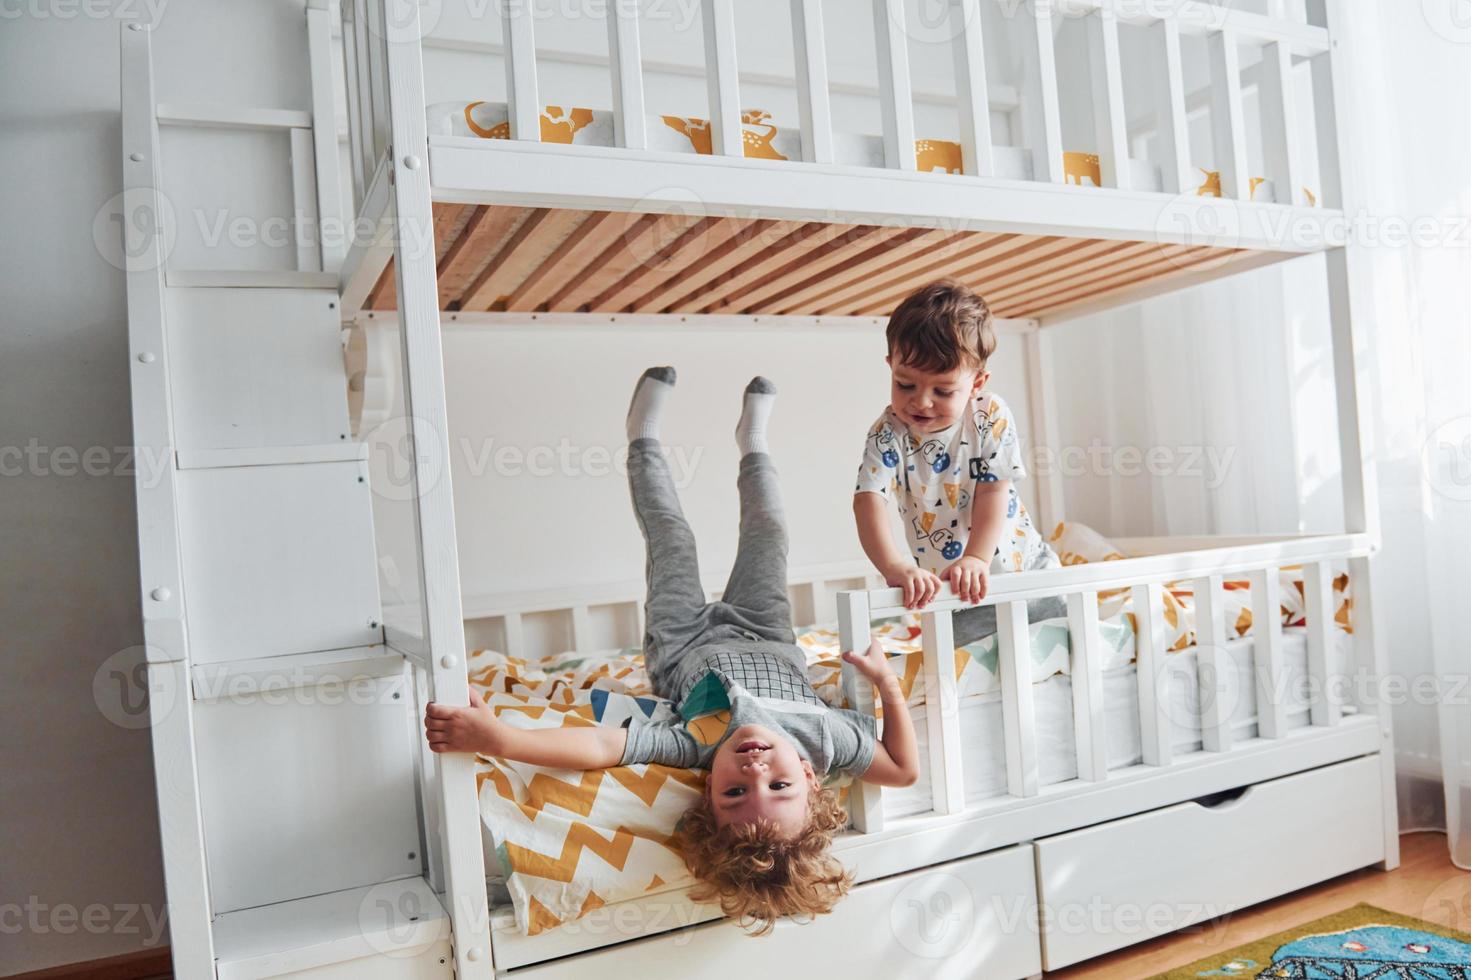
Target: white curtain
1242 368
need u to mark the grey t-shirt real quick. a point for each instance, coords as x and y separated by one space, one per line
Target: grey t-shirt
763 685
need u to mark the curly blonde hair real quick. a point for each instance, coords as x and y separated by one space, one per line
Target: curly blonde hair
755 873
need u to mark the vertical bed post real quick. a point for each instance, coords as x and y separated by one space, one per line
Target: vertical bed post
423 365
814 105
1109 120
1227 116
522 112
1152 674
1317 593
977 152
1215 677
166 652
331 229
1041 111
942 711
721 79
1276 100
1340 143
1089 729
1266 632
1176 172
625 61
1045 456
895 99
865 802
1018 711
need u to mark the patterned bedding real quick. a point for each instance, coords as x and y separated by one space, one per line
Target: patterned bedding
566 843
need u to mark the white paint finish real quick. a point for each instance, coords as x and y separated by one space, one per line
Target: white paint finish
1276 95
307 790
1043 436
1189 862
333 452
722 83
978 158
881 928
814 108
1266 631
625 64
252 368
369 253
231 117
304 201
1317 588
865 801
1216 678
1089 732
1168 79
1153 673
439 564
1107 82
277 559
164 663
1041 114
180 820
277 676
340 934
896 104
942 712
1227 117
328 168
1370 653
522 99
1019 714
1352 384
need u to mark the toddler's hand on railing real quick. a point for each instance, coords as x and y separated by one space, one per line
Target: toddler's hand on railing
920 585
970 577
871 663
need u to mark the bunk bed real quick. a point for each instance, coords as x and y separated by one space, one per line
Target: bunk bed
519 210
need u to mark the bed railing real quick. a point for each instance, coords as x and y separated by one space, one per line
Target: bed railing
1281 36
1080 586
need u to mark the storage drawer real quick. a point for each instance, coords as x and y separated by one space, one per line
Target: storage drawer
970 918
1123 882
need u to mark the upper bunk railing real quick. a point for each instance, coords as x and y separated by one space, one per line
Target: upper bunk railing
1281 38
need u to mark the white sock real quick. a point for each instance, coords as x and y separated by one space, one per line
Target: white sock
755 411
654 386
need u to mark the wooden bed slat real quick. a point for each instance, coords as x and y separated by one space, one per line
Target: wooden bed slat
748 241
893 281
502 257
724 295
527 247
671 260
852 269
483 235
876 238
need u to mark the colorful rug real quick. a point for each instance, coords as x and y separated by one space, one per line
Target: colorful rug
1360 943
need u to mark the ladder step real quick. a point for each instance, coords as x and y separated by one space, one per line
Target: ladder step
215 459
250 279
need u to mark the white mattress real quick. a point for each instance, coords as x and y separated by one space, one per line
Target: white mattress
983 757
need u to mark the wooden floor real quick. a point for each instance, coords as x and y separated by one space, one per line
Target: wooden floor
1425 885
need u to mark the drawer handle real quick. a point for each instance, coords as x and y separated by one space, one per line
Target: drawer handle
1227 800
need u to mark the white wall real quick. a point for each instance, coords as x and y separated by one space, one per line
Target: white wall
80 832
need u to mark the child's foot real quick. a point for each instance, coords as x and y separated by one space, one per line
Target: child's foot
654 386
755 410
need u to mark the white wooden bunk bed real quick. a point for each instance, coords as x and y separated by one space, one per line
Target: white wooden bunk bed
314 835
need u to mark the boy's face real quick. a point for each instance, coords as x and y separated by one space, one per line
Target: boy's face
757 773
929 402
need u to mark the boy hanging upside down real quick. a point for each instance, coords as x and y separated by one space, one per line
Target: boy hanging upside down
758 841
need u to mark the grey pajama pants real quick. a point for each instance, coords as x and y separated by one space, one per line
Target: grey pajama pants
753 611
